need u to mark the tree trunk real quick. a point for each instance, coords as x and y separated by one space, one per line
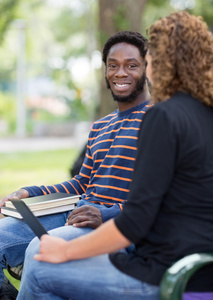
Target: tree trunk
115 16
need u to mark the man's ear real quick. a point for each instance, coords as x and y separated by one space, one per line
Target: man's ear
149 84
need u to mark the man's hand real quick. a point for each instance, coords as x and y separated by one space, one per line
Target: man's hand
85 216
52 250
20 194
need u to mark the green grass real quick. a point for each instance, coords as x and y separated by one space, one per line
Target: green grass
33 168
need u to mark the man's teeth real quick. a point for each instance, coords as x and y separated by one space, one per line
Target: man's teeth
121 85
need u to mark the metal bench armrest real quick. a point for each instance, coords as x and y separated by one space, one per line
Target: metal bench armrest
176 277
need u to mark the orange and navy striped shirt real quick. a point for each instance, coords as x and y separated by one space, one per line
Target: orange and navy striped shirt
107 169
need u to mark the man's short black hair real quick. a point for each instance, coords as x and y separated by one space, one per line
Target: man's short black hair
130 37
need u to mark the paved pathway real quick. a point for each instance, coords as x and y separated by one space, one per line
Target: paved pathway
40 143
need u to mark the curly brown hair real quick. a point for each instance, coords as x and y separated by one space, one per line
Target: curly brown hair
182 57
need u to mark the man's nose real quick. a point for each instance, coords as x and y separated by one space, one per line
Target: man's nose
121 72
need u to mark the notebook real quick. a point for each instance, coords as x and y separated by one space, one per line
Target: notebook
29 218
44 205
47 201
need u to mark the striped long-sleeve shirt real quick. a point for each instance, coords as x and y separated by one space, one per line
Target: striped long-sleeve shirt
107 169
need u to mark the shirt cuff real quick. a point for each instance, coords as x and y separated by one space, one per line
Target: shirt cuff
33 191
109 212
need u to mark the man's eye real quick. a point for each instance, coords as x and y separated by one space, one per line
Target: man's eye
132 66
112 66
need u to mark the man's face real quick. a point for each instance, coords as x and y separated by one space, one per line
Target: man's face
125 72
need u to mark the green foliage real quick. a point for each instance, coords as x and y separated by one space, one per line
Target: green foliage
78 110
8 110
8 12
120 19
56 35
204 8
40 114
157 3
154 10
69 24
52 34
103 37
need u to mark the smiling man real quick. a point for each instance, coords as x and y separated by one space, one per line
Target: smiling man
123 75
107 170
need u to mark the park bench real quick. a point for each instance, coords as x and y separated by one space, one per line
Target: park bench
176 277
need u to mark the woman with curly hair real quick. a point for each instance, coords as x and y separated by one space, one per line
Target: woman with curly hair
181 48
169 211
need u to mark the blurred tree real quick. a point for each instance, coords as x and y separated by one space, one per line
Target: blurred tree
114 16
154 10
60 34
56 36
204 8
8 12
117 15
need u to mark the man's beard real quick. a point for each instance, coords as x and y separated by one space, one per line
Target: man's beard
131 97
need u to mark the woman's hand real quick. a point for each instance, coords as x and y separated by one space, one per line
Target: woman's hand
52 250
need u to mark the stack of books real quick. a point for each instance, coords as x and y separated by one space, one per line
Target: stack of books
44 205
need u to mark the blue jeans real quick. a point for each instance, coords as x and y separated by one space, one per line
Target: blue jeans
15 236
89 279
